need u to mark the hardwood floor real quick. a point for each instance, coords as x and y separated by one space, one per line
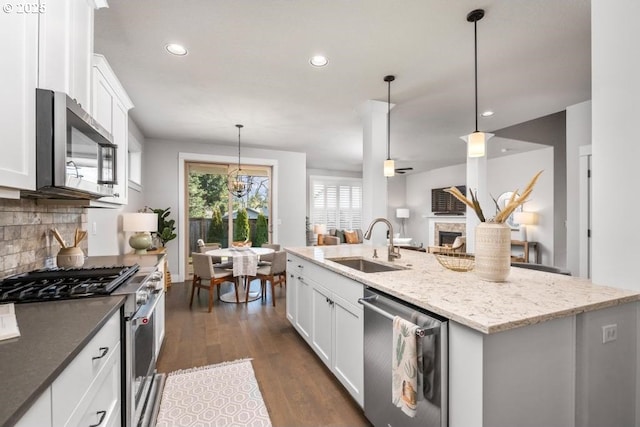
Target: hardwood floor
297 388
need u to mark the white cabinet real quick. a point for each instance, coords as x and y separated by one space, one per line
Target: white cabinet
65 48
19 75
298 297
110 106
88 391
337 337
323 307
39 415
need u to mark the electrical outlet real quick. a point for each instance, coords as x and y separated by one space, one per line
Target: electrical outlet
50 262
609 333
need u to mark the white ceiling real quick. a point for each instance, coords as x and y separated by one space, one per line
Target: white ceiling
248 63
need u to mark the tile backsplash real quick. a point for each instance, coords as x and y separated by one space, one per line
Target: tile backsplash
25 232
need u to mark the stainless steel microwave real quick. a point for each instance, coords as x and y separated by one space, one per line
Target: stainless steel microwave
75 156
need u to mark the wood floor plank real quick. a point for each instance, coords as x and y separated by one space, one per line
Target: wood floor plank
297 388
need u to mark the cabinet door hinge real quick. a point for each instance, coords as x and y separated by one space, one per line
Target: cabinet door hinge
589 232
588 173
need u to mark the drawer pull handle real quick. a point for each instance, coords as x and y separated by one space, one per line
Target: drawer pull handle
103 353
101 414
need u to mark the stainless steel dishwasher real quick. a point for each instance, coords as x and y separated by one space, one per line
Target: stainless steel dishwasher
432 409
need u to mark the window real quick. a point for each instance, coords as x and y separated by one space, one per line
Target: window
134 163
336 202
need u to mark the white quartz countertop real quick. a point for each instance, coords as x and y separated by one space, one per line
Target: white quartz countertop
527 297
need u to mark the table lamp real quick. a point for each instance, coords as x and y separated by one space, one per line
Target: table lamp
141 224
524 219
402 214
320 230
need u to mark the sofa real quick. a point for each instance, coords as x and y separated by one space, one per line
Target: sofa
338 237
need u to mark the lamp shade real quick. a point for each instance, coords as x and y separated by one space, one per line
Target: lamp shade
389 168
402 213
476 143
140 221
525 218
320 229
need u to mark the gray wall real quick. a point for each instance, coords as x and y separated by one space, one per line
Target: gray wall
550 130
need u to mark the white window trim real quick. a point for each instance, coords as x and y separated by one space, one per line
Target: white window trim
183 158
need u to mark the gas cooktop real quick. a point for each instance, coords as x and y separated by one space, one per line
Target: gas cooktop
58 284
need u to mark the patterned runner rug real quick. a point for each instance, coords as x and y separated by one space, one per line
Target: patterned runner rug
225 394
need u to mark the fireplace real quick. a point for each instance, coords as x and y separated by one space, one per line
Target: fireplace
446 238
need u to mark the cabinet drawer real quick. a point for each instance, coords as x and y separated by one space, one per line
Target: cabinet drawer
346 288
102 402
74 382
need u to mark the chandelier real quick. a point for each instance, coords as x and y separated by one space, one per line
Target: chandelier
239 184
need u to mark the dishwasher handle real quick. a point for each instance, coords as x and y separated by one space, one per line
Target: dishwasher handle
421 332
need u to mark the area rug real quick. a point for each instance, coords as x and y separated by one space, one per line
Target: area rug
225 394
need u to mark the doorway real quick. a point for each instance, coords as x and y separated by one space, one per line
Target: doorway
215 215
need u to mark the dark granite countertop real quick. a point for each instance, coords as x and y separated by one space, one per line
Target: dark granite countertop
52 334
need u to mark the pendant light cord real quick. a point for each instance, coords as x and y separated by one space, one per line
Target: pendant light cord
475 49
389 79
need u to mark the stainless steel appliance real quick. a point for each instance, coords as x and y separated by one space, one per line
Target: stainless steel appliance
75 156
379 312
141 385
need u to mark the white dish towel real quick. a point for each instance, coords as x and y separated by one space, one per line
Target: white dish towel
404 366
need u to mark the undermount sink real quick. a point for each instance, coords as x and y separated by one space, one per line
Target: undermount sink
365 265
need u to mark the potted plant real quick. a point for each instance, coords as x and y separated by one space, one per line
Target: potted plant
166 226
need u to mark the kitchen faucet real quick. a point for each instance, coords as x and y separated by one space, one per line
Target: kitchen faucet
393 252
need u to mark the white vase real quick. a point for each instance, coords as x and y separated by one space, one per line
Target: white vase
493 251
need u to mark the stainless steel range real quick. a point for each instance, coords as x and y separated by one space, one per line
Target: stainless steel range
141 385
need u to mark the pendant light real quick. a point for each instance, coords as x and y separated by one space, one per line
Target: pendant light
476 141
389 165
239 184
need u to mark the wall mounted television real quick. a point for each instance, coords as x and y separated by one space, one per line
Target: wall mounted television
443 203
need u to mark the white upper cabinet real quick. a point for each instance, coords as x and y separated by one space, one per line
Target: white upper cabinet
19 73
65 49
110 106
48 44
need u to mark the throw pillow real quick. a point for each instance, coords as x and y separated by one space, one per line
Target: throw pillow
351 237
340 235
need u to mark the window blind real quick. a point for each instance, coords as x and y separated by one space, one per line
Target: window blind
337 204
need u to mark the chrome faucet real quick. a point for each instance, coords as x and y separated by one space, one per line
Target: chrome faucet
393 252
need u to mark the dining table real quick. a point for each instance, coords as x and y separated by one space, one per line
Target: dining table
245 263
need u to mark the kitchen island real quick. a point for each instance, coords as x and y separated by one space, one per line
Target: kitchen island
525 352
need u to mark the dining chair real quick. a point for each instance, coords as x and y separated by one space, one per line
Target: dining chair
274 273
267 258
203 271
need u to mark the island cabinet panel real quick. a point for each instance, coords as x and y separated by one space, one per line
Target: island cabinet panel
348 354
323 308
521 377
605 384
322 319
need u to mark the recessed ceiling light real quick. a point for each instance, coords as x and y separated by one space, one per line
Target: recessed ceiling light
318 61
487 113
176 49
